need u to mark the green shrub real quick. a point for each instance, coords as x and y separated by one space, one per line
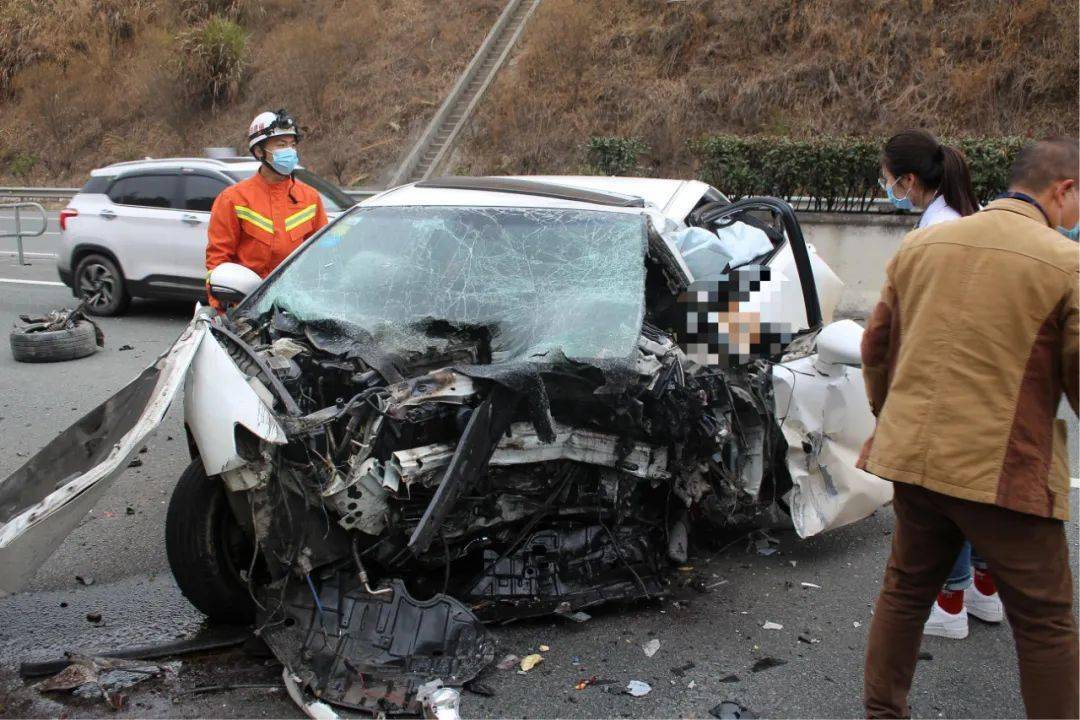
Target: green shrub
21 163
831 173
614 155
213 61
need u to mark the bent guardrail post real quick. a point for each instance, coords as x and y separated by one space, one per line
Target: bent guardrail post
19 234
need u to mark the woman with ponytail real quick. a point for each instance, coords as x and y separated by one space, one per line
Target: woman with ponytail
919 172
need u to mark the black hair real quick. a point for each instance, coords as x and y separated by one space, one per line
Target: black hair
1044 162
938 167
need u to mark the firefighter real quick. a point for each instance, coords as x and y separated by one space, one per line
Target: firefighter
259 221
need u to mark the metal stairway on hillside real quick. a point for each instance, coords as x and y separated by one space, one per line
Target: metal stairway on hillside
438 139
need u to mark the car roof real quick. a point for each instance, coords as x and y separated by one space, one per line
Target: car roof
673 198
201 163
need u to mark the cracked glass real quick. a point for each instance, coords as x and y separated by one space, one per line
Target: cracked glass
540 281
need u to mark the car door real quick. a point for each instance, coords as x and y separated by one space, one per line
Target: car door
143 221
198 192
825 415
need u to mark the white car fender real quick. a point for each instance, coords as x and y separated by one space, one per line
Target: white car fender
825 418
217 398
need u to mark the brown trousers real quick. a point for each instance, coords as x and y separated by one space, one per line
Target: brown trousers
1029 559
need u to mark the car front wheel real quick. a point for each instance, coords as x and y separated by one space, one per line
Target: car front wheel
99 283
207 548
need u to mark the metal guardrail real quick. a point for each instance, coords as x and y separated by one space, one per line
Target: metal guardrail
38 193
19 234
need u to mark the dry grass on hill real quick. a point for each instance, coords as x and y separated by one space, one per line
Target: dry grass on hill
669 71
88 82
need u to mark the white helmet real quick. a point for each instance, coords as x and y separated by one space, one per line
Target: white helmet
268 124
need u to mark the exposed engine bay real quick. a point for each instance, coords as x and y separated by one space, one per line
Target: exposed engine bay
509 490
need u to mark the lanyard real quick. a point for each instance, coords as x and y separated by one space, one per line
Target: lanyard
1025 198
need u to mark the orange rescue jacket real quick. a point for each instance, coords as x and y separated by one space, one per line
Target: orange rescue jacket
257 224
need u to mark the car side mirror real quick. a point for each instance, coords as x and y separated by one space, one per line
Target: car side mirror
230 283
839 343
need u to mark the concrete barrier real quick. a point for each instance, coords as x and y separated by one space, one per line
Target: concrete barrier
857 248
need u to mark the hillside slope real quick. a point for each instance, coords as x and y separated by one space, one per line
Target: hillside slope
87 82
666 72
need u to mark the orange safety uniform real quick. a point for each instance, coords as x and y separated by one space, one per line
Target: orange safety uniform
257 224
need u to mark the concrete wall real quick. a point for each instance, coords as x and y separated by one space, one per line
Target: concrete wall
857 248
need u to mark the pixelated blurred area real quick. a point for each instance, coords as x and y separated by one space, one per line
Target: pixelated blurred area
715 329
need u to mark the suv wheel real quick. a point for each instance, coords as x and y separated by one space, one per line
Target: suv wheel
98 281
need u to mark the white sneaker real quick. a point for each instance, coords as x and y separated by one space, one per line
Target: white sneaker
987 608
946 625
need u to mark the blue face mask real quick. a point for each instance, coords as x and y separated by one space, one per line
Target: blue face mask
285 160
903 203
1071 233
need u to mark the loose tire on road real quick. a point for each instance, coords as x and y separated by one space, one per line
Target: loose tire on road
207 548
53 345
99 282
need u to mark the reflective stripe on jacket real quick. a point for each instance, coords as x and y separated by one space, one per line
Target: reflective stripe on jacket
257 224
966 358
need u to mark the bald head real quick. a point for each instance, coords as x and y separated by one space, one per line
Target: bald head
1041 163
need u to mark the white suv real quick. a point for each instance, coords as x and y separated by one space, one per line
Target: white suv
138 229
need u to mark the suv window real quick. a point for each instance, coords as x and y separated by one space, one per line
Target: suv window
96 184
200 192
145 191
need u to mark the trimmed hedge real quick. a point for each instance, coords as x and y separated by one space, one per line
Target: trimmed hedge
614 155
837 174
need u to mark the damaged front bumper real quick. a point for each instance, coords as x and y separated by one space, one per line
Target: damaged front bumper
43 501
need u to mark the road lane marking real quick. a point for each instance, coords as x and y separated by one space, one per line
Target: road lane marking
14 253
31 282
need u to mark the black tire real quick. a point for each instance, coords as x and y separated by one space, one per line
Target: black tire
53 345
100 283
207 548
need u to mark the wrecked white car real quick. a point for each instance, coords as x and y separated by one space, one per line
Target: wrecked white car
480 399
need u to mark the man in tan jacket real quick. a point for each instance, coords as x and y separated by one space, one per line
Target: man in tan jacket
966 357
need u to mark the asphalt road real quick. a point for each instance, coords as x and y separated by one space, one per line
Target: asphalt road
120 548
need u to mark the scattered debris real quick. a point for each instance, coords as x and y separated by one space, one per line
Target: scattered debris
730 710
767 663
923 655
314 709
530 661
544 648
440 703
730 679
137 462
770 625
104 677
718 584
94 617
857 624
582 684
682 669
811 585
651 647
476 687
691 685
124 348
637 688
84 579
508 662
129 510
808 640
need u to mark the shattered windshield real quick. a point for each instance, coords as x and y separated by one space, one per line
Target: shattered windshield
538 280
